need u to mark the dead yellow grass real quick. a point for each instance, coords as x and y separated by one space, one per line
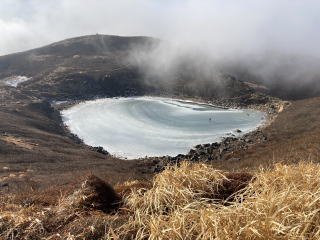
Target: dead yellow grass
19 142
177 187
283 203
187 202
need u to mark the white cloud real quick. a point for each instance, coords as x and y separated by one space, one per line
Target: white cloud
234 26
224 29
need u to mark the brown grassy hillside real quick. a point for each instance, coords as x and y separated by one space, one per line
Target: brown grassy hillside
186 202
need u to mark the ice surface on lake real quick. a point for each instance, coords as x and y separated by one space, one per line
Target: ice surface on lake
140 126
16 80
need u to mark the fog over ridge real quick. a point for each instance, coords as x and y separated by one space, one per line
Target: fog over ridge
223 26
269 40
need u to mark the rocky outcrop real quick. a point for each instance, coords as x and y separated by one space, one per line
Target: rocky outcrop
99 150
217 151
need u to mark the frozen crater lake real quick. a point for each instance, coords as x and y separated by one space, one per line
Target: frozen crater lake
151 126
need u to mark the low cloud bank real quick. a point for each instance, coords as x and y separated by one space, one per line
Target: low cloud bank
274 42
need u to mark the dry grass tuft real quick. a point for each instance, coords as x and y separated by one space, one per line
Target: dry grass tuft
124 189
47 197
80 215
192 201
283 203
178 187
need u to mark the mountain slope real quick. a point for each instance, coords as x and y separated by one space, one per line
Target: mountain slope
74 67
88 66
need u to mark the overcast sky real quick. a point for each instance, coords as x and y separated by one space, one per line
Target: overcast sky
232 25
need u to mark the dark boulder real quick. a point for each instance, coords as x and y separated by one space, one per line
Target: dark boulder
100 150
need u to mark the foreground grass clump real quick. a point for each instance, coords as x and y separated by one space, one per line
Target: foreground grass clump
192 201
283 203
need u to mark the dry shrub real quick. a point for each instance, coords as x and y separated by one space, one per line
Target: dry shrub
282 203
94 193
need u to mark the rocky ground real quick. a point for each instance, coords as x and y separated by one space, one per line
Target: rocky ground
217 151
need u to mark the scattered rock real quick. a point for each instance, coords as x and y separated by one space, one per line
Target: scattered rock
198 146
158 168
100 150
222 151
192 151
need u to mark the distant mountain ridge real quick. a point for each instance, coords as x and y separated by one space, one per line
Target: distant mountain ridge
97 65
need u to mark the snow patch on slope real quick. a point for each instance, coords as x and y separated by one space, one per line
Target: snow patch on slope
14 81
